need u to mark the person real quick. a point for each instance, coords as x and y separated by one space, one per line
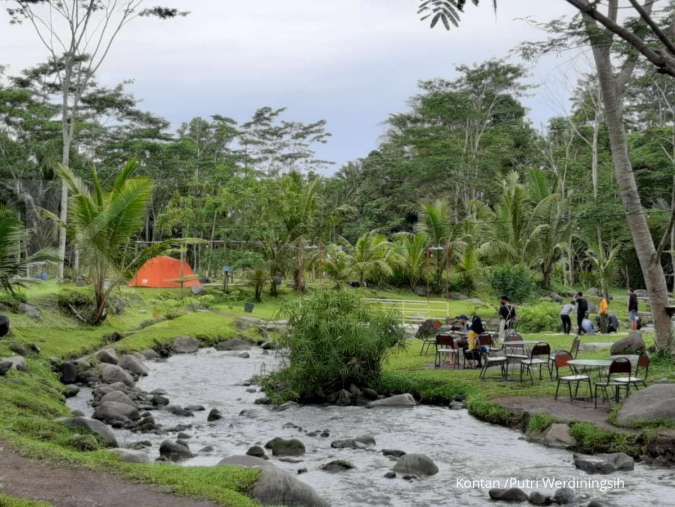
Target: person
565 313
507 316
587 326
582 310
633 314
612 324
603 314
472 349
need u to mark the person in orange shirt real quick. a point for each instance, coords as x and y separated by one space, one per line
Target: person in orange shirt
603 312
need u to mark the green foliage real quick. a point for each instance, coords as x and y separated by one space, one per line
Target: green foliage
592 440
514 281
335 341
78 303
539 423
13 299
539 317
8 501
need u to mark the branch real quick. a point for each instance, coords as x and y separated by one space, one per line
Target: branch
666 236
645 14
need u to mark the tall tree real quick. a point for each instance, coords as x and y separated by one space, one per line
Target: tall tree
78 36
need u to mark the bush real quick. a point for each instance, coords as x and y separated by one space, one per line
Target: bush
334 341
513 281
539 317
12 300
77 303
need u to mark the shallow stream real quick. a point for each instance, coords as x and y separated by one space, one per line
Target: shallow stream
464 448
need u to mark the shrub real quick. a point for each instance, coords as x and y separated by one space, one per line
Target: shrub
77 303
539 317
12 300
513 281
334 341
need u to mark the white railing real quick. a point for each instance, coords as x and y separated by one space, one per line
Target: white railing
412 311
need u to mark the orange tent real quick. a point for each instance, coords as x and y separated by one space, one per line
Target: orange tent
165 273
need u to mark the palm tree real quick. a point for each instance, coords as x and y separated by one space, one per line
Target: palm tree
435 222
602 257
372 257
411 250
337 264
104 225
12 264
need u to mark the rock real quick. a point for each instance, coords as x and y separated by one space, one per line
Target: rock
393 452
244 355
118 397
30 311
198 291
233 344
595 503
369 394
179 411
196 408
537 498
604 463
71 391
269 346
284 447
257 452
150 355
457 405
276 486
104 434
399 400
183 436
354 443
417 464
511 495
17 362
4 324
19 349
287 405
113 412
214 415
103 389
158 400
338 465
186 345
68 372
5 366
661 448
146 424
390 475
133 365
110 373
131 456
555 297
343 397
633 344
77 413
108 356
564 496
301 471
207 449
558 435
174 451
654 404
262 401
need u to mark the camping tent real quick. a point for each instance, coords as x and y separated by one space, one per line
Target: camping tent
165 273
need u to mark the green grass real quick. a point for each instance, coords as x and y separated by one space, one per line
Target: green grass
8 501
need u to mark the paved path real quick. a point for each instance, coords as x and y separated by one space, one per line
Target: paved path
65 486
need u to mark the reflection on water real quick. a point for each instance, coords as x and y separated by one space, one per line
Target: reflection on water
464 448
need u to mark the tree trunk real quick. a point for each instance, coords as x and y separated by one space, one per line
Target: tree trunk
635 216
299 272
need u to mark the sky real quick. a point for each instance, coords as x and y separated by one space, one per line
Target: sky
350 62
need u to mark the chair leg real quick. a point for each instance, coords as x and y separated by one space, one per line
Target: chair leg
595 397
590 389
557 388
569 386
576 389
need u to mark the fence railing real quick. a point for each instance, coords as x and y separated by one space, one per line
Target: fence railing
410 310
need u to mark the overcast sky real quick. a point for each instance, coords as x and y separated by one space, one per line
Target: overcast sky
351 62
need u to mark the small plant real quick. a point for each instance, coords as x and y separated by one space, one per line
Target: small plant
539 317
514 281
539 423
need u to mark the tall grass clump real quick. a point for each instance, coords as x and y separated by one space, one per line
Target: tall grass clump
334 341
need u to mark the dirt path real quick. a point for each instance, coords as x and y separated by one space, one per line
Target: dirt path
75 487
563 410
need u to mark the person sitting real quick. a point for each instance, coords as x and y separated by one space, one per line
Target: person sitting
587 326
612 324
472 350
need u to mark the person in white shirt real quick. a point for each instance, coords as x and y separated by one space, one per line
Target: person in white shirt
565 313
587 326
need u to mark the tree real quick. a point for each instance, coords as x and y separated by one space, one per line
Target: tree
371 257
78 36
411 256
105 224
337 264
435 222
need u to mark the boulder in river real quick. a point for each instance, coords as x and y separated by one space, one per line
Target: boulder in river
286 447
114 413
661 448
68 372
604 463
108 356
257 452
214 415
360 442
564 496
174 451
276 486
117 396
179 411
654 404
150 355
338 465
416 464
131 456
133 365
392 452
537 498
398 400
233 344
557 435
186 345
110 373
633 344
104 433
511 495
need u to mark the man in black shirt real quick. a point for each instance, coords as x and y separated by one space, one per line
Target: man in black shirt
582 310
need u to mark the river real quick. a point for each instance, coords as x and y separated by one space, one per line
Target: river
464 448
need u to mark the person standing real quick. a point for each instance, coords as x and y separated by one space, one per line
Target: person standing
633 314
565 317
582 310
507 316
603 314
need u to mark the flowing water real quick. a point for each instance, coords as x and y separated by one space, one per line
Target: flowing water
464 448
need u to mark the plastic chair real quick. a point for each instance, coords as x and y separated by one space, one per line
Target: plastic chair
539 356
562 359
620 365
635 380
